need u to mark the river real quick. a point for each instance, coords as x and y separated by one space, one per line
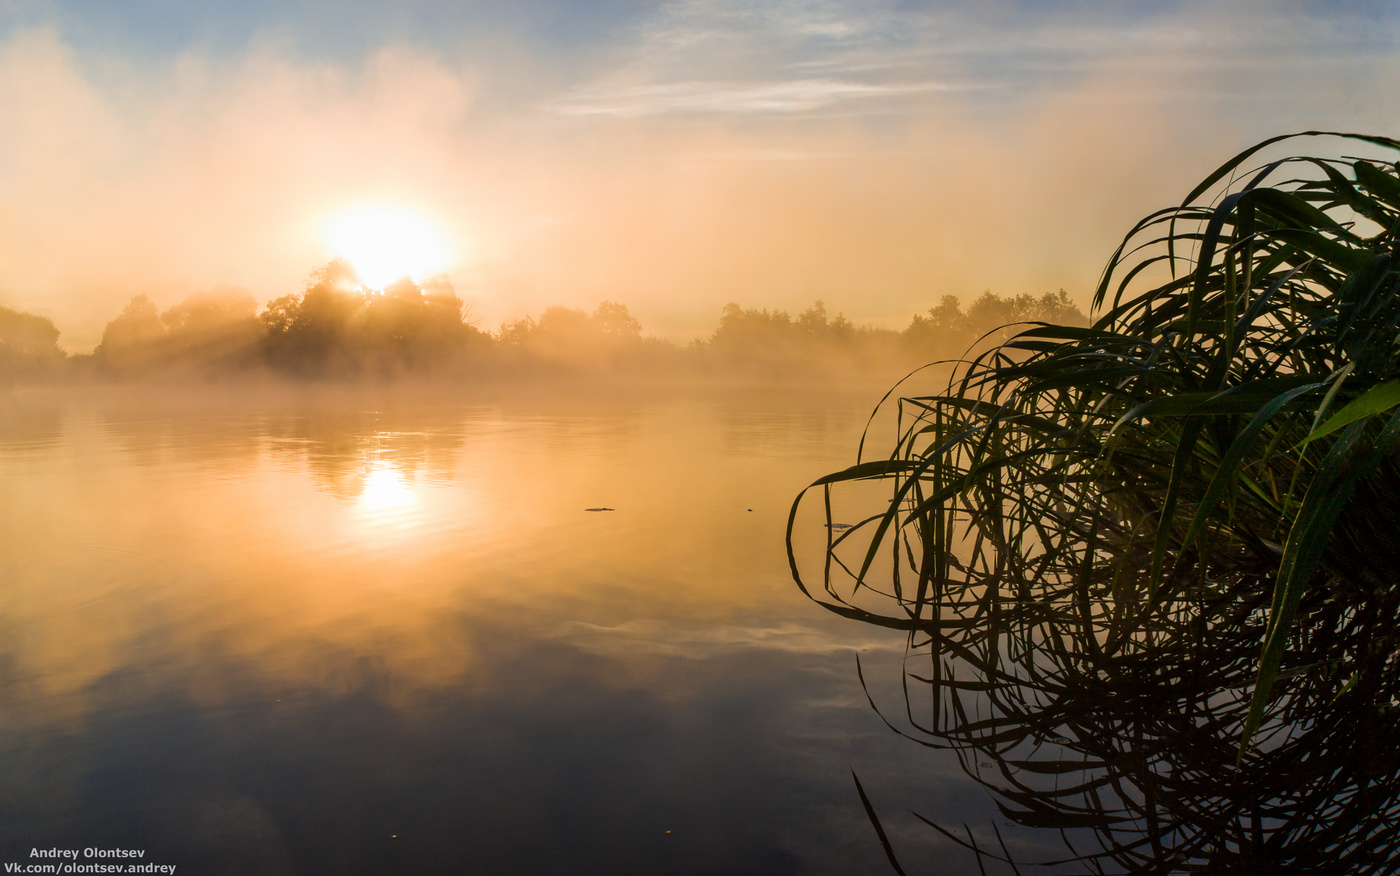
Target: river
317 630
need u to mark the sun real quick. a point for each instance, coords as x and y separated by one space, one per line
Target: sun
385 243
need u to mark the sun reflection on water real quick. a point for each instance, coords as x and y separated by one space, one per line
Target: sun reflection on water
387 496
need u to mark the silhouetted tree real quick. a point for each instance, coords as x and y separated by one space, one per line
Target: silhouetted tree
211 332
208 332
337 326
280 314
991 312
748 334
574 338
204 311
614 321
28 346
813 322
946 328
130 342
773 344
948 332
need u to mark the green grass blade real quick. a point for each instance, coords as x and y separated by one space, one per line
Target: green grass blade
1377 399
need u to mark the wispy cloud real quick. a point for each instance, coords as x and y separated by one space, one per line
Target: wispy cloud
794 96
796 58
769 59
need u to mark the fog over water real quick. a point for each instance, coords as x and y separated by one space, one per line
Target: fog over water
330 632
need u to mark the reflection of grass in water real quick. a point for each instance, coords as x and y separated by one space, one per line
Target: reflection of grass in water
1133 507
1131 753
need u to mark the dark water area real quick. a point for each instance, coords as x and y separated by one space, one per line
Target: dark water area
325 632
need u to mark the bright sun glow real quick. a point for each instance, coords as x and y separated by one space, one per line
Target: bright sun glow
385 494
385 244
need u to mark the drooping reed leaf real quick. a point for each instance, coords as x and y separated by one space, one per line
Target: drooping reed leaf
1376 400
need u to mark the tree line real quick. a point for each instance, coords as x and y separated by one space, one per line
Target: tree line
339 328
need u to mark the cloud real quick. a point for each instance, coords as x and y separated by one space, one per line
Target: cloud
802 95
795 57
771 59
873 156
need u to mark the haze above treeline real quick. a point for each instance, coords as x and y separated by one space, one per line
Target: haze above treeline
670 156
338 328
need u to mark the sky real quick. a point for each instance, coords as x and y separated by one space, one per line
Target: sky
672 156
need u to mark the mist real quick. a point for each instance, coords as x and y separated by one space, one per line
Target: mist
340 328
690 158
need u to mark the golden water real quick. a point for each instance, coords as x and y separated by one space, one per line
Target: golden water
324 631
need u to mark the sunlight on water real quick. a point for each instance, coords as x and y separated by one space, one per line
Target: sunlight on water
291 540
387 497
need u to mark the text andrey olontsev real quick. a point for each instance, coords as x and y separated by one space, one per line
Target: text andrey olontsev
87 853
91 853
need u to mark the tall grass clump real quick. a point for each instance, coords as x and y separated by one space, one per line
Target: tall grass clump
1217 449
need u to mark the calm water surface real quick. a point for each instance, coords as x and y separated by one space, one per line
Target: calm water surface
338 633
